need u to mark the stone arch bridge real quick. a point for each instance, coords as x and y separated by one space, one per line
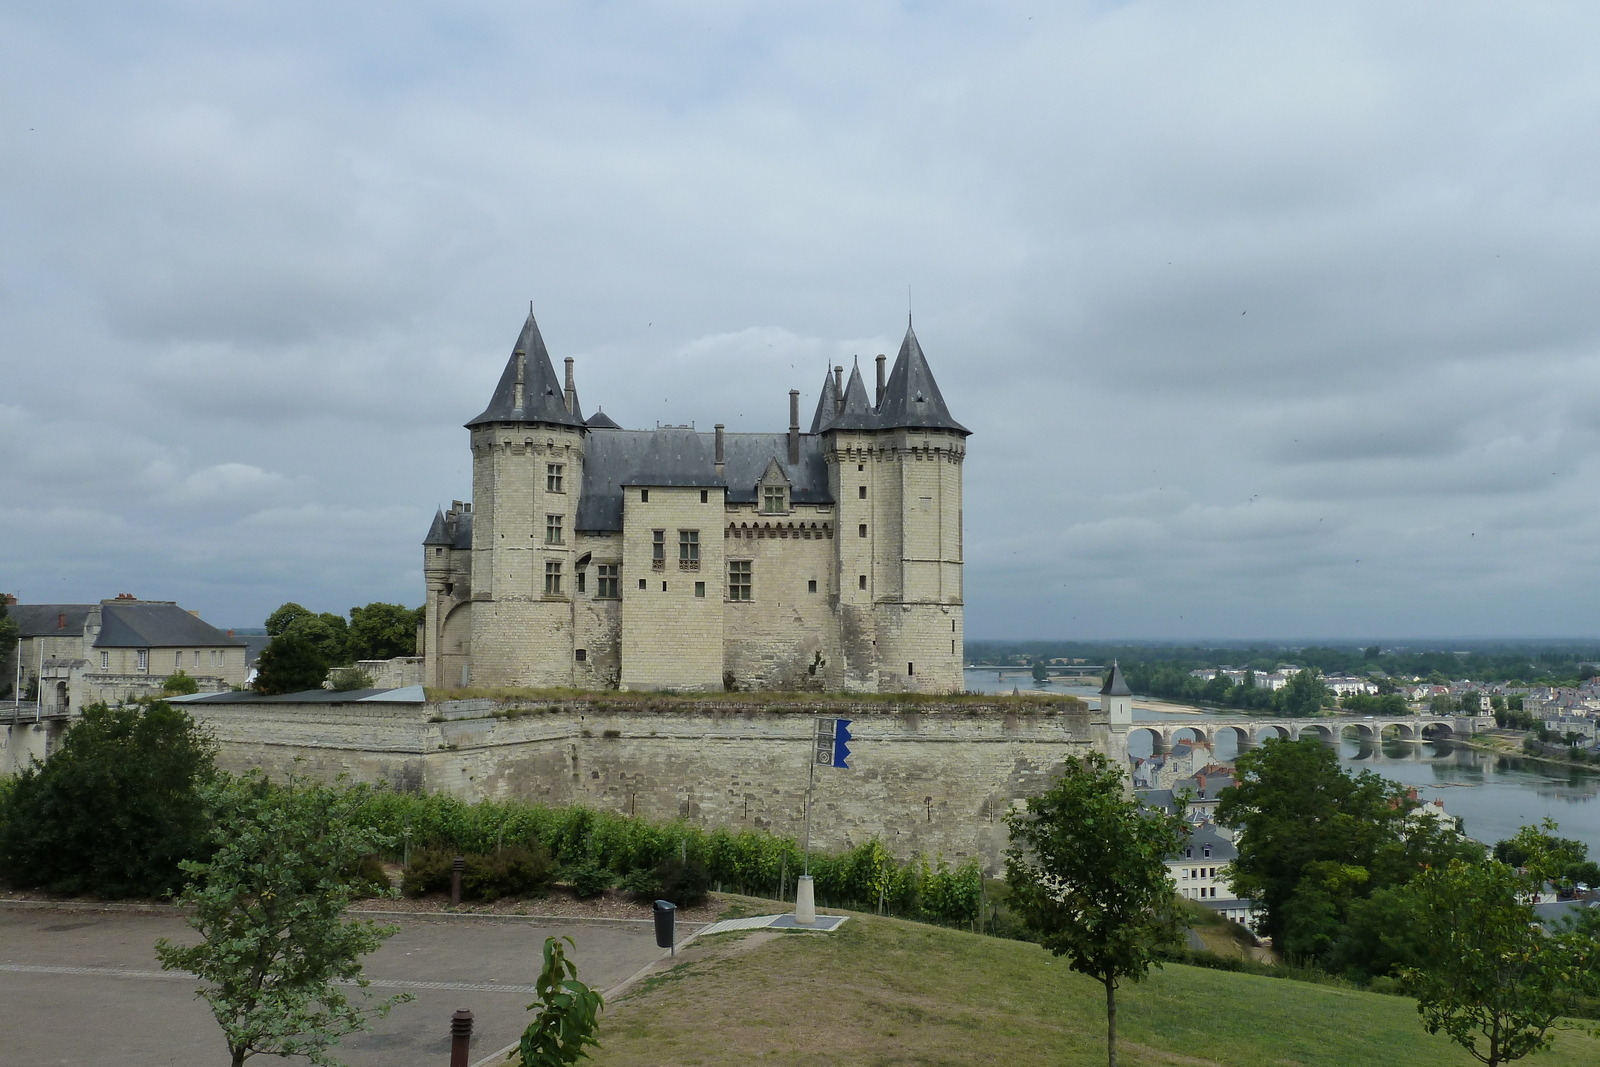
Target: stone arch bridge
1249 733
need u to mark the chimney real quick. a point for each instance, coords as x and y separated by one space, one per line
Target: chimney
230 633
794 427
882 359
572 389
721 465
838 388
61 620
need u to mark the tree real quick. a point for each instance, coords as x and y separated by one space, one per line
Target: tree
269 906
286 616
1443 704
1304 694
289 664
327 632
1491 979
9 633
180 682
116 810
1087 870
568 1013
383 631
1040 671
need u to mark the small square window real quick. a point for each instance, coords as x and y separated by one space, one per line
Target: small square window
861 466
862 530
644 496
582 655
700 589
811 586
861 492
641 583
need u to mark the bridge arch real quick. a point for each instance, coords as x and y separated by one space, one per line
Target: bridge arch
1158 739
1267 731
1321 731
1437 730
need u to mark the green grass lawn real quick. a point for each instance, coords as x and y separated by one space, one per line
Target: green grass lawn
883 991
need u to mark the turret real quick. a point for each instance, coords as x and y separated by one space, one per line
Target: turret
1116 699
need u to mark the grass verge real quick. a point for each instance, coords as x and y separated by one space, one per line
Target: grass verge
887 992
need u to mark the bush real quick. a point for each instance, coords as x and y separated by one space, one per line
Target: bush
588 879
369 878
346 679
642 884
179 682
683 882
115 810
515 871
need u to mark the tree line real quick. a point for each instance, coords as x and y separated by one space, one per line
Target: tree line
305 645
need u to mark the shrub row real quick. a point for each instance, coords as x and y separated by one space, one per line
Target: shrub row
599 849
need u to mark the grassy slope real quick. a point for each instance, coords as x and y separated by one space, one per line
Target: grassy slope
882 992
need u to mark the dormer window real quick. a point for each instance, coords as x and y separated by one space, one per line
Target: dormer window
773 499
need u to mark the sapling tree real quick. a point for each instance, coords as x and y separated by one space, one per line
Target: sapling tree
1491 978
1087 870
560 1035
277 954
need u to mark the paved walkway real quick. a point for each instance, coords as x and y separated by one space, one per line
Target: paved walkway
85 987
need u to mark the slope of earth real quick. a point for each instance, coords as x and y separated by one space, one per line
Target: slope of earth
887 992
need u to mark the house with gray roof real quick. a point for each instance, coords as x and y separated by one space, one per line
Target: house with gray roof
593 555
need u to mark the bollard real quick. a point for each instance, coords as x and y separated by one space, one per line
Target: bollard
666 917
460 1037
805 901
456 867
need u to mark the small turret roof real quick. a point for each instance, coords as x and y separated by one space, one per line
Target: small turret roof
857 413
438 533
601 421
542 397
1116 685
827 404
911 398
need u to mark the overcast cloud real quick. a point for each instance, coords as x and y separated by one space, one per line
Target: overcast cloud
1270 320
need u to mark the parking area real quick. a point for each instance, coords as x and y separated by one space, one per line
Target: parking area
84 987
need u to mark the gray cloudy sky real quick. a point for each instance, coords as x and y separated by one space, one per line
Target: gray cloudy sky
1270 319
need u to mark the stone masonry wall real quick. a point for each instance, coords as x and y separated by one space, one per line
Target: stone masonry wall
931 778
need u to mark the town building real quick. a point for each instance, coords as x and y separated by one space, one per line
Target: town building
594 556
78 654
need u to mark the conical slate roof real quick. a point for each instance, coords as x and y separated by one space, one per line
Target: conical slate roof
827 404
438 533
529 390
601 421
1116 685
857 413
911 399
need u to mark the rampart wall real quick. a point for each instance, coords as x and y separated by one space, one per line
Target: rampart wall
926 777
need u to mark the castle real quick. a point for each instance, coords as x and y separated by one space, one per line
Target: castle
592 556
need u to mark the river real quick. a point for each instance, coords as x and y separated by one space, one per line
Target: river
1493 795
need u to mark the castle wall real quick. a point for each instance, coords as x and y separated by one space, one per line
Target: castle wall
931 778
672 613
786 637
597 620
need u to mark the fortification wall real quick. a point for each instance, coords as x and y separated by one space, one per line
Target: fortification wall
931 778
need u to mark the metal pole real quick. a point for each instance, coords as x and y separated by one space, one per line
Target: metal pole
460 1037
810 781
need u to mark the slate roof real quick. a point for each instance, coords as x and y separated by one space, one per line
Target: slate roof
911 398
543 394
1222 850
40 620
827 403
1116 685
156 624
601 421
677 456
438 533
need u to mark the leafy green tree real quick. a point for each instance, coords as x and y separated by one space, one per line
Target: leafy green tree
383 631
1491 978
1040 671
289 664
328 633
564 1029
1087 871
1304 694
179 682
269 906
1217 689
1443 704
9 632
116 809
286 616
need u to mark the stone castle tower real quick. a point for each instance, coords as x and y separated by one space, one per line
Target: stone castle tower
595 556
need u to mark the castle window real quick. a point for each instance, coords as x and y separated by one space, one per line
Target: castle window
553 478
177 661
772 499
705 496
862 581
688 550
606 581
582 655
658 550
739 579
862 529
644 496
700 589
580 577
197 657
811 586
105 661
861 466
861 492
641 583
911 668
552 529
552 578
144 661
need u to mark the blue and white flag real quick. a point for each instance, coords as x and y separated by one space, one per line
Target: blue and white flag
833 749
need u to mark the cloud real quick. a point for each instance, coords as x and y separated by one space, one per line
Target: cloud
1232 297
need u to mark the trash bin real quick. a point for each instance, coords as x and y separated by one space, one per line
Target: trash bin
666 915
